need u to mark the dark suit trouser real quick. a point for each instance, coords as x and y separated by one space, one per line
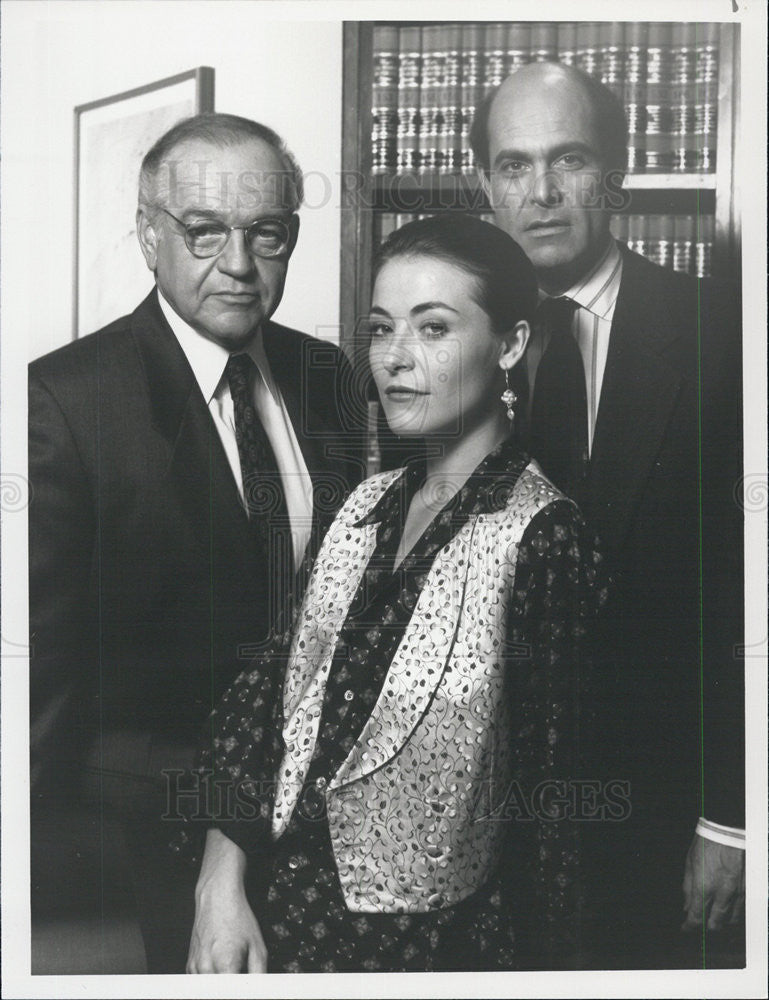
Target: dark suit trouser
112 881
163 886
163 873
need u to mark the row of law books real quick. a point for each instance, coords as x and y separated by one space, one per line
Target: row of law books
681 242
428 80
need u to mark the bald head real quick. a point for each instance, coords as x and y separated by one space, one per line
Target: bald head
551 163
556 82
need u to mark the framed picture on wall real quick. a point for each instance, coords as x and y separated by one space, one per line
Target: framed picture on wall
112 136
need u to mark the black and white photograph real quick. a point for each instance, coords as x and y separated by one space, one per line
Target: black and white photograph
383 498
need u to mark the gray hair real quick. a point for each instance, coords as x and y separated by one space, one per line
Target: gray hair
221 130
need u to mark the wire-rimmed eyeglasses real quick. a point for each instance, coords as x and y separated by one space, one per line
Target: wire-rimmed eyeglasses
208 237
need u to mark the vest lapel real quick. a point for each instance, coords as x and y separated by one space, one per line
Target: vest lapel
332 587
417 667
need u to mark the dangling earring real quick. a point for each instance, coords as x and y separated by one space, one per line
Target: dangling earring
509 398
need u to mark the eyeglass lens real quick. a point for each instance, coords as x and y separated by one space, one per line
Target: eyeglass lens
265 238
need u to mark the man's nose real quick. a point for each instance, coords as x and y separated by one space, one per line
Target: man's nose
236 259
546 189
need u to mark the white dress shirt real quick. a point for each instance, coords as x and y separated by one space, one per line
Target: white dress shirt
208 360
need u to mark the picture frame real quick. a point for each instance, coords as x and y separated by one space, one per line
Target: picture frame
112 135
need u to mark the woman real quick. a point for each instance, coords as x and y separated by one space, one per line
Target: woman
427 697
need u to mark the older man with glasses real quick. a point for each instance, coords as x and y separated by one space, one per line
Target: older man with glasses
178 460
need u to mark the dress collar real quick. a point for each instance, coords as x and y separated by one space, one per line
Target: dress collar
486 490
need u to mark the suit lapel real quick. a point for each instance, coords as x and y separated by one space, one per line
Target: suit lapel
197 462
292 359
638 396
289 368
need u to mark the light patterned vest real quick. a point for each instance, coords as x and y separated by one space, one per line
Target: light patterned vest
410 810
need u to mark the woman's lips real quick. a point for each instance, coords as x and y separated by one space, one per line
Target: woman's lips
400 392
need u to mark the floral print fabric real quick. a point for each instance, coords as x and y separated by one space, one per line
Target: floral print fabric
529 904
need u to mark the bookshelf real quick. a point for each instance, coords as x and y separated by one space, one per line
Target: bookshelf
408 93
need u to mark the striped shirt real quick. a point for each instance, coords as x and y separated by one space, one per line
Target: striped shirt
596 298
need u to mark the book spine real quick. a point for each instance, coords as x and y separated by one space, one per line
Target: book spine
401 218
409 58
637 234
384 105
494 55
387 223
683 243
471 90
587 47
618 225
683 93
706 96
430 95
659 143
659 244
634 94
450 136
517 46
611 56
665 238
544 41
703 245
567 43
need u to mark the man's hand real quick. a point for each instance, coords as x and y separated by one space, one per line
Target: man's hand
225 935
714 885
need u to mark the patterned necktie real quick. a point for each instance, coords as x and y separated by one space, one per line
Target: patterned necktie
262 486
559 408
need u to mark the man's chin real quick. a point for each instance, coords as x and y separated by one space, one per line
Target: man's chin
232 338
556 268
546 255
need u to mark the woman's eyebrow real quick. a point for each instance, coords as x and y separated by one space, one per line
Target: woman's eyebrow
425 306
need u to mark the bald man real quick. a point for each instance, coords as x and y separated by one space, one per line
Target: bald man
182 459
634 408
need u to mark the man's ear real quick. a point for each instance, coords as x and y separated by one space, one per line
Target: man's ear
148 240
513 345
293 225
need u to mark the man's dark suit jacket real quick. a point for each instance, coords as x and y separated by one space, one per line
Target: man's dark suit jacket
662 492
149 593
145 582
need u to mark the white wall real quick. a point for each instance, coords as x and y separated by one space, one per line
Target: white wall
285 73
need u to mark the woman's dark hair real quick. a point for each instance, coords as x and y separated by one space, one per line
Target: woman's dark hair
507 287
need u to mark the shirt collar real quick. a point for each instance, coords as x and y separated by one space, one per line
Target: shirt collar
597 291
208 359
